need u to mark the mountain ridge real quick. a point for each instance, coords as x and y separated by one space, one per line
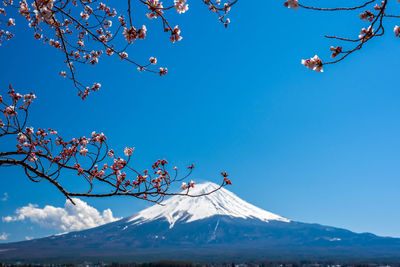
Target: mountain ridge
217 227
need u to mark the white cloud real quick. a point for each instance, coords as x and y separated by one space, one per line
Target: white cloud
28 238
5 197
69 218
4 236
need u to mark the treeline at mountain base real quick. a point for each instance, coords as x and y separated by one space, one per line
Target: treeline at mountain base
303 263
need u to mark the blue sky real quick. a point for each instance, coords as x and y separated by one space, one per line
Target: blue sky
312 147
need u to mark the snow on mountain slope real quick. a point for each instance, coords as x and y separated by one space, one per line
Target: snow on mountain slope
187 209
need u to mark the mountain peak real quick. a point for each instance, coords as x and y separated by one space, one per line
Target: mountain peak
202 188
189 209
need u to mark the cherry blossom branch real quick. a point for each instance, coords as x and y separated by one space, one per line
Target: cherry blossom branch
336 8
45 155
82 30
374 15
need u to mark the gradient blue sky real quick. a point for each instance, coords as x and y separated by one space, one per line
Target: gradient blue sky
312 147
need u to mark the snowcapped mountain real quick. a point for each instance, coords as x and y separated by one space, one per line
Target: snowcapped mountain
216 227
187 209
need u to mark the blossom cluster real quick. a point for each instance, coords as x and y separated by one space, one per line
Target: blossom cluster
335 51
132 34
313 63
220 9
366 34
396 30
181 6
188 185
294 4
6 34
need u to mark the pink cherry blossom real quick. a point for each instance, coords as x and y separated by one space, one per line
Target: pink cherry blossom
11 22
163 71
366 34
83 150
175 34
396 31
313 63
10 110
128 151
181 6
123 55
130 34
294 4
21 138
153 60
